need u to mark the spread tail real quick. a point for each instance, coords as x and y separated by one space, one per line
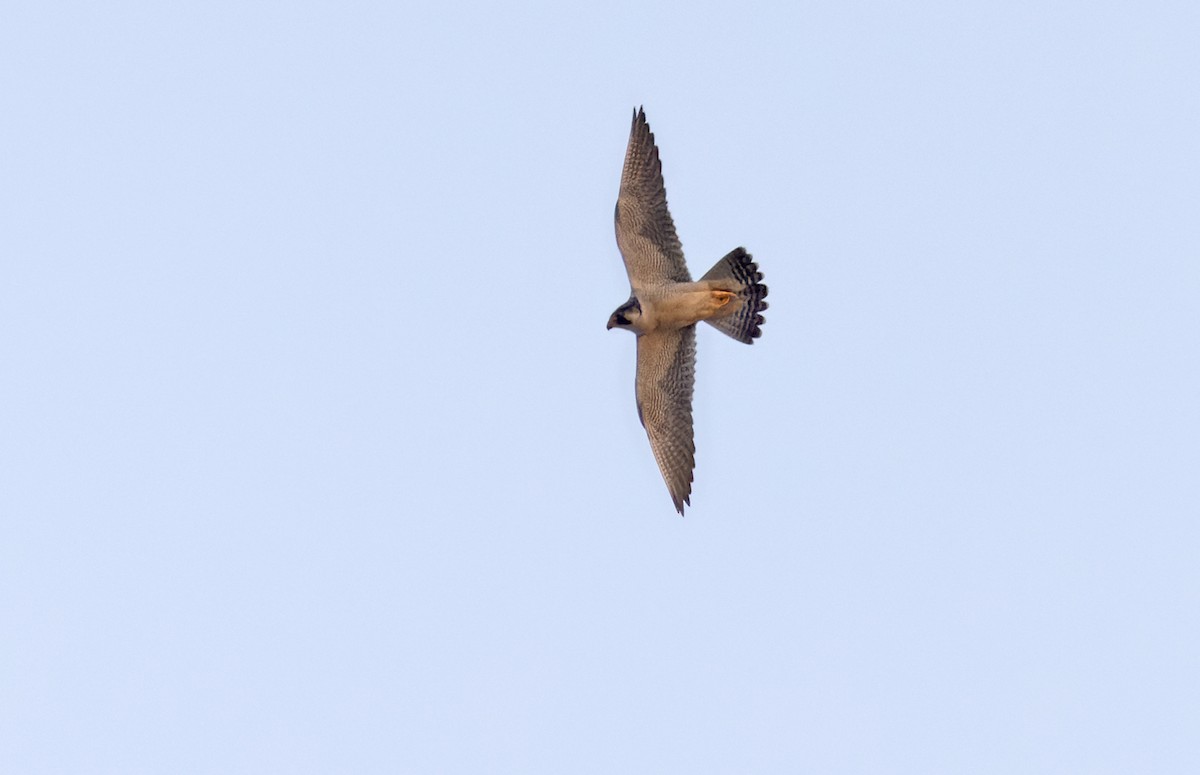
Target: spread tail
740 274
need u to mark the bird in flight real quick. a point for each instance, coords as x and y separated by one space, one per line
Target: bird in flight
665 305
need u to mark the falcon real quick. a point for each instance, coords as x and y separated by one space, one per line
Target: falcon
665 305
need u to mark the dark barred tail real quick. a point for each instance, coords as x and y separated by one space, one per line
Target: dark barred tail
741 273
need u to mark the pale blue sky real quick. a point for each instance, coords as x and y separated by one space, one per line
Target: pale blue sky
316 456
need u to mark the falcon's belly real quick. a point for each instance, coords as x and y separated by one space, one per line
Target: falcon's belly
684 304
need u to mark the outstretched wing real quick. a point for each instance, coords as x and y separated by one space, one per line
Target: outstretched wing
645 231
666 374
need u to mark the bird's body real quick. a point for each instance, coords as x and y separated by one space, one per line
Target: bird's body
681 304
665 305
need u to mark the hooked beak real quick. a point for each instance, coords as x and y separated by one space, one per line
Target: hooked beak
610 325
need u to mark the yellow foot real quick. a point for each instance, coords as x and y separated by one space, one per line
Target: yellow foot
721 298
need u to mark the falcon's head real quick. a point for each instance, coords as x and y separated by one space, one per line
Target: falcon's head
627 316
